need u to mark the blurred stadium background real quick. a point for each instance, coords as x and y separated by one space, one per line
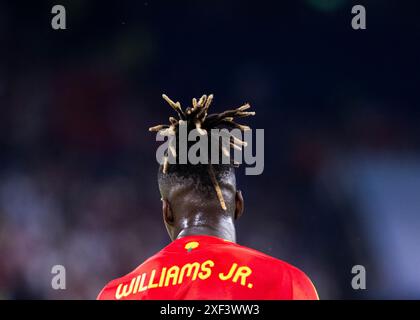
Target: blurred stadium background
340 109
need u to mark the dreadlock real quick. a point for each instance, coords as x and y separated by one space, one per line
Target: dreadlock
197 117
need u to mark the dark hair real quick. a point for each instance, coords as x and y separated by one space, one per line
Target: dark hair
203 176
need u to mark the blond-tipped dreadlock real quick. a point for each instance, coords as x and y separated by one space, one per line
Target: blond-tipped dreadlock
198 116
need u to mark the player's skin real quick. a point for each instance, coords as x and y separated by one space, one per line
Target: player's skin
186 212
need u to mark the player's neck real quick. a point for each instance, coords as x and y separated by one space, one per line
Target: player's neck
221 228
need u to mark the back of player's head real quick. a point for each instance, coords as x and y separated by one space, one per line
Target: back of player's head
185 182
203 184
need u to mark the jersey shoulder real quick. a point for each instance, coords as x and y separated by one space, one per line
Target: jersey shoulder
302 286
108 291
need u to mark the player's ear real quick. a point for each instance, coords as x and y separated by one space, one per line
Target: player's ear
168 215
239 204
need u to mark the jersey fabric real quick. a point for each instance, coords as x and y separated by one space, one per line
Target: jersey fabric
205 267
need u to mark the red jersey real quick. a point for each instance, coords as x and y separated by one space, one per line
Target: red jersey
204 267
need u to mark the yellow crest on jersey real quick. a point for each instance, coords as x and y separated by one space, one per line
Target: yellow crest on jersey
191 245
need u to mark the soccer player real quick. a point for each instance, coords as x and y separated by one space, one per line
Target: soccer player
200 204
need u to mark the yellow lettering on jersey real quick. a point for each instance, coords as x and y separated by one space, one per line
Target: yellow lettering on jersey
242 273
173 273
136 286
188 268
142 286
206 269
152 285
126 289
230 273
162 277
